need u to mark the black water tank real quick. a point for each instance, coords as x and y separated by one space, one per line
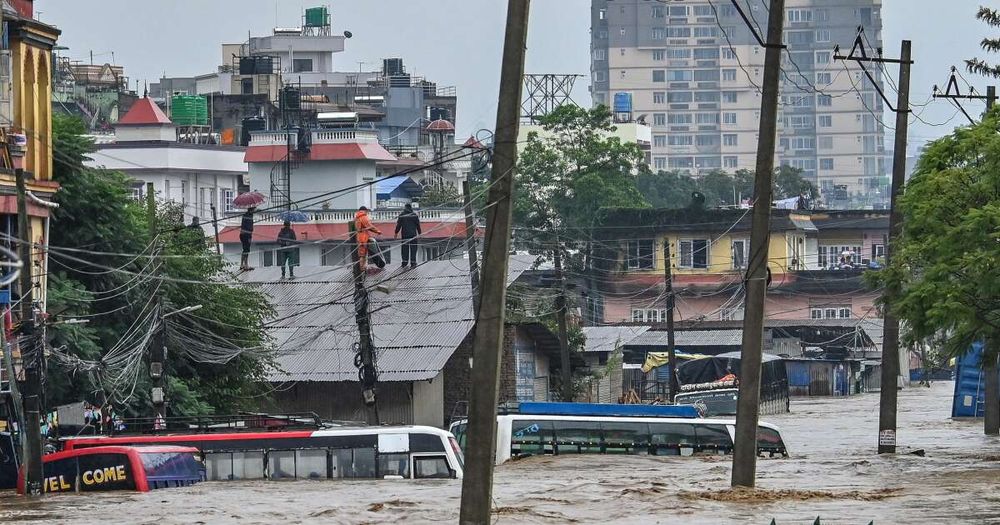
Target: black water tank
264 65
248 65
392 67
440 114
249 125
291 98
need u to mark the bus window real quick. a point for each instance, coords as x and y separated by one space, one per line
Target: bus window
219 466
530 436
364 463
666 439
395 464
170 469
310 464
769 441
714 438
248 465
622 437
578 437
430 467
281 464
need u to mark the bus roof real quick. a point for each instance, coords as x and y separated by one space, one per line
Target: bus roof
603 409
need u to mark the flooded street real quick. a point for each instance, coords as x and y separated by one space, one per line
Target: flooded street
833 472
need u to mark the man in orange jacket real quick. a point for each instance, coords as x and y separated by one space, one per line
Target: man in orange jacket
364 227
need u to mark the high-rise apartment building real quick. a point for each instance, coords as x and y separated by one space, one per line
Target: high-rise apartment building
694 69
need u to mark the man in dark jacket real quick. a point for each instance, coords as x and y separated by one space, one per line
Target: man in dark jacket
286 238
408 223
246 238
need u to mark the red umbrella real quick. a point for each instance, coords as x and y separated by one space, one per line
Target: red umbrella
250 199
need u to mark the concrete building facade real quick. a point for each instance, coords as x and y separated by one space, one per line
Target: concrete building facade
694 70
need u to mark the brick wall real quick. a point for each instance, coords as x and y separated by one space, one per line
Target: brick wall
458 376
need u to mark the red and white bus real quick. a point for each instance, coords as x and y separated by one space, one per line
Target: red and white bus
118 468
393 452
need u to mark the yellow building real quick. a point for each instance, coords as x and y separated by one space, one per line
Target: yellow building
26 116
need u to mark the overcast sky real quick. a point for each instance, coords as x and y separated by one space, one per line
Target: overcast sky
455 42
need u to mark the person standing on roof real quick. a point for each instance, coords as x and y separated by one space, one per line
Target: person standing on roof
246 238
364 228
286 238
408 223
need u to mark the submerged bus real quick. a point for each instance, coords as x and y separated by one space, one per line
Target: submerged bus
520 435
118 468
391 452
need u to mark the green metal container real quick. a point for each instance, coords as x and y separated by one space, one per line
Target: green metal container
316 17
188 110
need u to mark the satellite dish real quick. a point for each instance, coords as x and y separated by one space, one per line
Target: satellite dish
348 34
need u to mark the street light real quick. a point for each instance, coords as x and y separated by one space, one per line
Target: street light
182 311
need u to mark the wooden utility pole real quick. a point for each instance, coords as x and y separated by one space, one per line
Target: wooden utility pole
477 485
366 350
470 244
32 355
668 289
748 404
215 224
566 368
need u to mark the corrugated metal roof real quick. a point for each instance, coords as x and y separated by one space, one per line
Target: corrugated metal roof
610 338
691 338
418 320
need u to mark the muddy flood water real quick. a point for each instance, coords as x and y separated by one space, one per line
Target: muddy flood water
833 473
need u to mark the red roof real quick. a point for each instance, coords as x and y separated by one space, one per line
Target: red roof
441 125
338 231
473 143
144 112
365 151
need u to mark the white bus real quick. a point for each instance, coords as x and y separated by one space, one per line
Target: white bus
392 452
520 435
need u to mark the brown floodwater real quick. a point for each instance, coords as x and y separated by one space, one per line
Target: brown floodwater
833 472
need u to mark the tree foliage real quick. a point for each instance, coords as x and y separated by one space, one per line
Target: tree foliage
673 189
574 168
440 195
97 214
975 65
942 279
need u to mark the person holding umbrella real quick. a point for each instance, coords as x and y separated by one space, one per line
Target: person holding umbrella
286 238
246 238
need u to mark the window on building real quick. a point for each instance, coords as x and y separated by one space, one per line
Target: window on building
822 57
660 163
137 191
659 33
678 32
729 139
728 75
600 76
740 253
602 14
678 118
680 162
823 35
680 140
729 161
832 256
706 75
824 78
694 253
706 53
679 97
659 75
680 75
227 200
729 97
600 54
706 96
830 312
729 118
798 15
679 52
639 255
707 118
727 10
678 10
706 32
825 142
659 141
844 313
658 54
659 97
824 101
822 15
659 119
302 65
706 140
728 53
826 164
703 10
825 121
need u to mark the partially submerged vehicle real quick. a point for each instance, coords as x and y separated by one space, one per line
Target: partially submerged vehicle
712 384
118 468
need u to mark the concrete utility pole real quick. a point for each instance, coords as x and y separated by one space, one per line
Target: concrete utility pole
215 225
158 348
668 289
748 407
470 244
366 350
477 486
32 355
567 371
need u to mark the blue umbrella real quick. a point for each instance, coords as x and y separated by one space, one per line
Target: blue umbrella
293 216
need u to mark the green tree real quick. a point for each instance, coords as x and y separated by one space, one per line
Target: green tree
573 168
666 189
441 195
96 222
789 182
943 275
991 17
